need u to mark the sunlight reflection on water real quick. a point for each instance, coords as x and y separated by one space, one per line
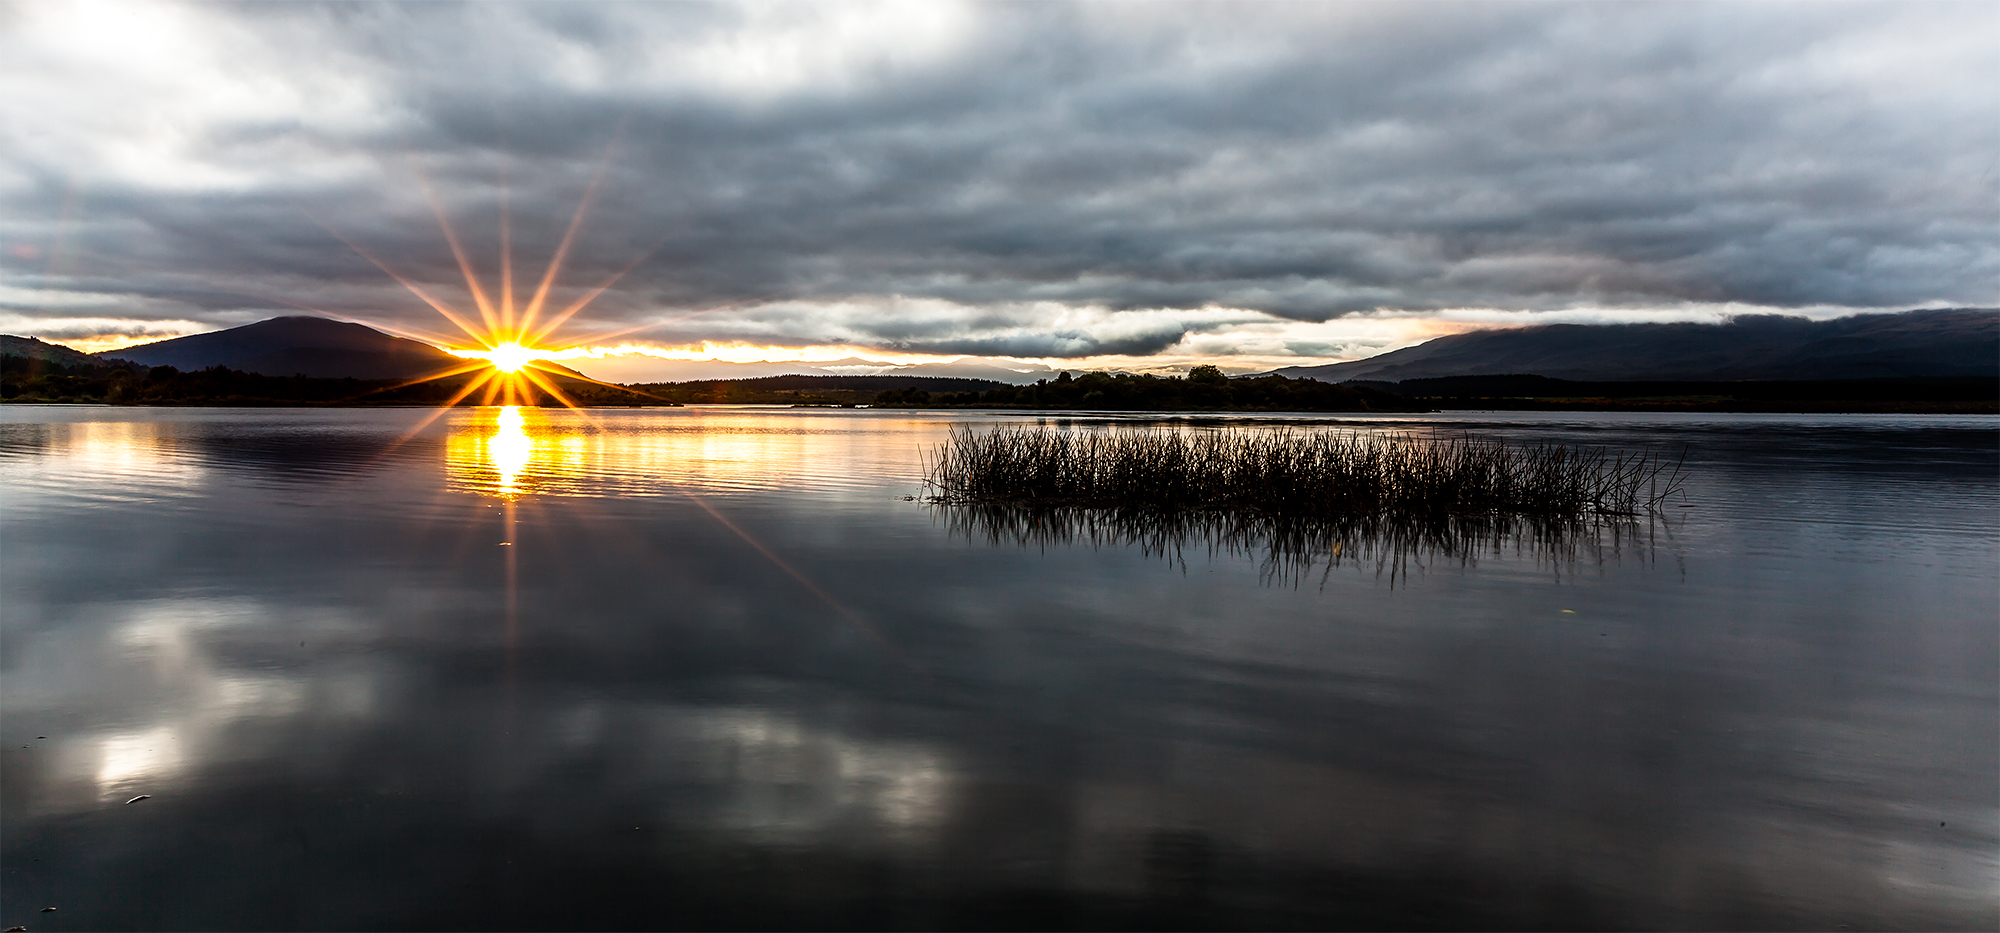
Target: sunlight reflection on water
510 452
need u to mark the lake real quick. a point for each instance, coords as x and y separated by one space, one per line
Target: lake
725 668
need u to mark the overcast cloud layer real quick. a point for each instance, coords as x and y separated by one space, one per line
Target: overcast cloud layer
1105 182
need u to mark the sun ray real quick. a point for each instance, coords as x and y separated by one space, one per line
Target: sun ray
572 374
449 314
474 366
549 386
432 338
421 336
506 254
479 299
470 385
793 572
557 320
562 249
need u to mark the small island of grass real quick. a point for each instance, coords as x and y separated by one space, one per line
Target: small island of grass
1294 475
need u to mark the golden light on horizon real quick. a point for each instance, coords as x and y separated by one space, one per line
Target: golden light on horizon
510 356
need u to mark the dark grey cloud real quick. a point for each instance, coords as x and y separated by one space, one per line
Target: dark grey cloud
998 164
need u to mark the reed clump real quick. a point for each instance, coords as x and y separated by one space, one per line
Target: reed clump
1295 474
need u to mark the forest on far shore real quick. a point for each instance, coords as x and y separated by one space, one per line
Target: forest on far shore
26 379
1205 388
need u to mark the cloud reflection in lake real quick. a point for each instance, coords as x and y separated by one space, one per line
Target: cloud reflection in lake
1758 717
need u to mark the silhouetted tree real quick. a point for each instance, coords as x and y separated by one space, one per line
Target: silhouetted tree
1207 375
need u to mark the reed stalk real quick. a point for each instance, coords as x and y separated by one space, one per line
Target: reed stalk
1295 474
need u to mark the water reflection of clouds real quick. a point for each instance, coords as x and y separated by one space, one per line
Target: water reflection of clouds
1098 723
765 775
189 699
176 692
129 760
104 460
786 779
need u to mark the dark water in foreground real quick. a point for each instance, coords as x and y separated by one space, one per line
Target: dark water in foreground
710 668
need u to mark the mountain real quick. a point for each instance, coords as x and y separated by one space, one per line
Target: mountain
287 346
30 348
1951 342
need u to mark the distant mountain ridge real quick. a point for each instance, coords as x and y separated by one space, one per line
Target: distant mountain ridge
1949 342
287 346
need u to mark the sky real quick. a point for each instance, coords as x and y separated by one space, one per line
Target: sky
1037 186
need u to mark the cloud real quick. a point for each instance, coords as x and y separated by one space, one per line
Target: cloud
1029 181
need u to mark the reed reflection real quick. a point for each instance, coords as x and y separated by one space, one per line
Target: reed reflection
1292 549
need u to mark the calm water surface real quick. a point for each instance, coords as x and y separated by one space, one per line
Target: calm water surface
717 668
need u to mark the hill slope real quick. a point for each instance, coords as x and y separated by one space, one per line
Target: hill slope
33 349
287 346
1956 342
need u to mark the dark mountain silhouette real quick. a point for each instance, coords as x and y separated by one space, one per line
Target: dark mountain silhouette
1944 343
33 349
288 346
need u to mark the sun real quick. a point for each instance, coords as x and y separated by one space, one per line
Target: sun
509 357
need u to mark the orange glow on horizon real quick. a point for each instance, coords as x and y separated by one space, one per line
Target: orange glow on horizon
98 343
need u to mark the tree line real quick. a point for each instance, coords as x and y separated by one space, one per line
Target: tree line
24 379
1205 388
